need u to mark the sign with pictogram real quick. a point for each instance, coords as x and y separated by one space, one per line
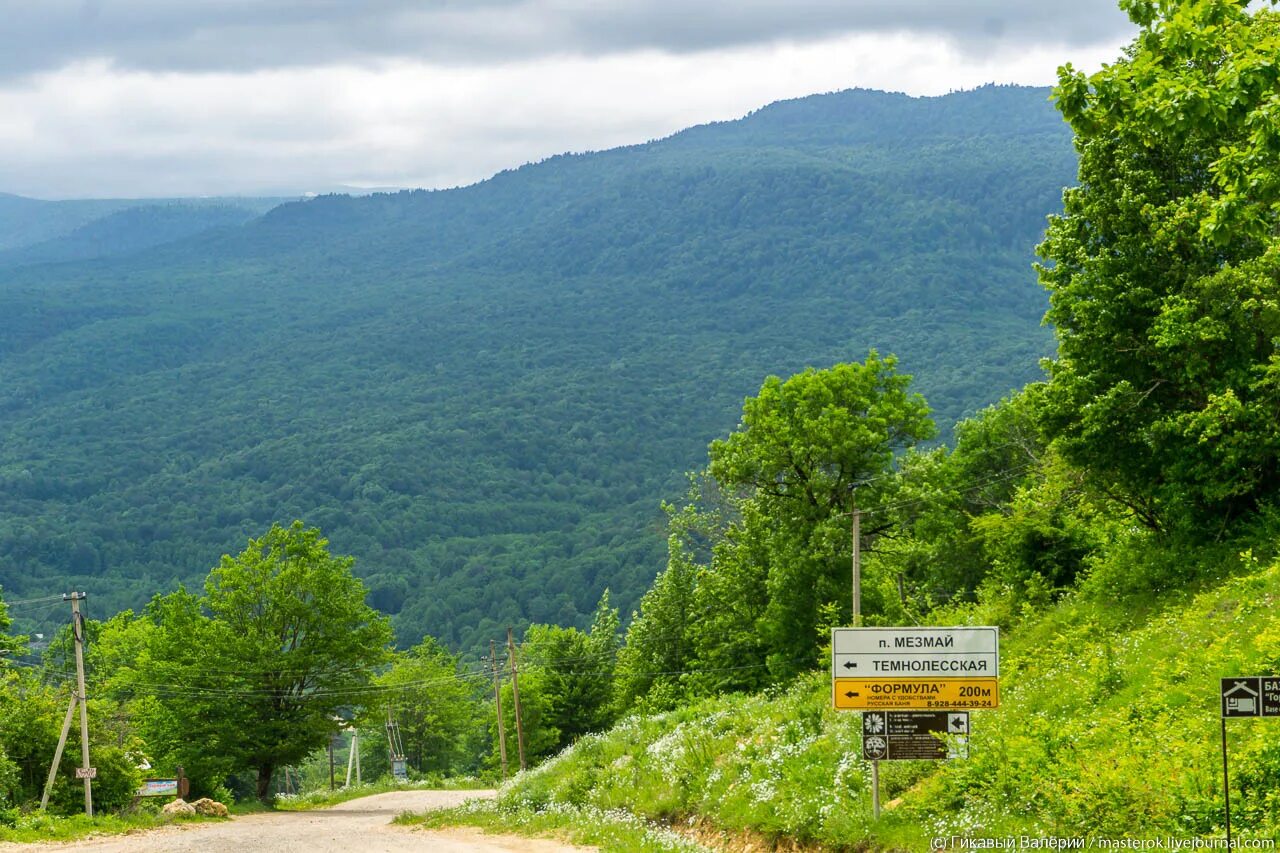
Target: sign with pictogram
1251 696
914 694
915 735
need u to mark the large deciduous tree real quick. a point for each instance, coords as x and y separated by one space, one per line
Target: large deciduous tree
254 673
1164 269
759 558
437 707
803 447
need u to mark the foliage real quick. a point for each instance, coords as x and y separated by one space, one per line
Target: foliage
439 710
758 560
322 797
10 646
484 393
1164 269
1107 727
45 827
254 673
566 679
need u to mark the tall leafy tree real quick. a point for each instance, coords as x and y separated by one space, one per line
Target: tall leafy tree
803 447
255 673
657 647
437 706
10 646
1164 269
567 680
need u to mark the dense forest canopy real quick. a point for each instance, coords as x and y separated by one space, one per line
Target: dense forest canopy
483 394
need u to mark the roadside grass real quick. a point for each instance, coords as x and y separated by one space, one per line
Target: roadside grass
37 826
616 831
323 797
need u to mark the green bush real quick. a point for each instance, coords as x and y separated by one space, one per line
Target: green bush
117 781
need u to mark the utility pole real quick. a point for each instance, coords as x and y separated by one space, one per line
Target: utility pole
855 530
77 698
855 525
515 696
497 700
353 758
396 748
331 783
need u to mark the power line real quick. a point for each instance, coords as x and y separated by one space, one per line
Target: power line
24 601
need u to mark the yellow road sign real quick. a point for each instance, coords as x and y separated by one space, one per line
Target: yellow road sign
915 694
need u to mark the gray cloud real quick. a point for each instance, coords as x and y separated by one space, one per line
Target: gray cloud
249 35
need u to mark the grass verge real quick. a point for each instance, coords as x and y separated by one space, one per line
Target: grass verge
323 797
613 831
37 826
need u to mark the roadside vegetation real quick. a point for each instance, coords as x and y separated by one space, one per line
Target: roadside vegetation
614 831
35 827
1119 521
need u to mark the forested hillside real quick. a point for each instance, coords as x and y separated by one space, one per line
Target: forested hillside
483 394
107 226
132 229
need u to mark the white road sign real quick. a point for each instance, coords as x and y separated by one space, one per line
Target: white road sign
925 652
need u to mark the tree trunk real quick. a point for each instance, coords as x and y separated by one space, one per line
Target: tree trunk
264 783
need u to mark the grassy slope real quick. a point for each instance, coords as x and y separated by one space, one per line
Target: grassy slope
1109 728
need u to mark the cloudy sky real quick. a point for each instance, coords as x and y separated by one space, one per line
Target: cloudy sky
104 98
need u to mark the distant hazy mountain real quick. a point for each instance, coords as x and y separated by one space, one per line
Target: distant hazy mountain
484 393
28 222
129 230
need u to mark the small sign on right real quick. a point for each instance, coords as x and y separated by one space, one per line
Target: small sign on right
1251 696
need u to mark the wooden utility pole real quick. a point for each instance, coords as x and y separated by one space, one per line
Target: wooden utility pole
77 698
515 696
497 701
57 753
855 530
77 622
332 786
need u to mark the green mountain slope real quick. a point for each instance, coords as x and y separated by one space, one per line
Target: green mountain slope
130 230
28 222
483 393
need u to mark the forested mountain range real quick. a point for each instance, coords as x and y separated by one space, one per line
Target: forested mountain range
79 228
484 393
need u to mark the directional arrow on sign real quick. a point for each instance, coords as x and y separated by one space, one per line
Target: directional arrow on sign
850 665
852 694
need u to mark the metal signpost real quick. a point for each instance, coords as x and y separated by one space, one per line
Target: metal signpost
916 685
1244 696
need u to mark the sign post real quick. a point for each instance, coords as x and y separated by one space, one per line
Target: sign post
915 685
1244 696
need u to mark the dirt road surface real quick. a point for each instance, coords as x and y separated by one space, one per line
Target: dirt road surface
357 826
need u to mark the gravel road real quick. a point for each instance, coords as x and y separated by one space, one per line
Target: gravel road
357 826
